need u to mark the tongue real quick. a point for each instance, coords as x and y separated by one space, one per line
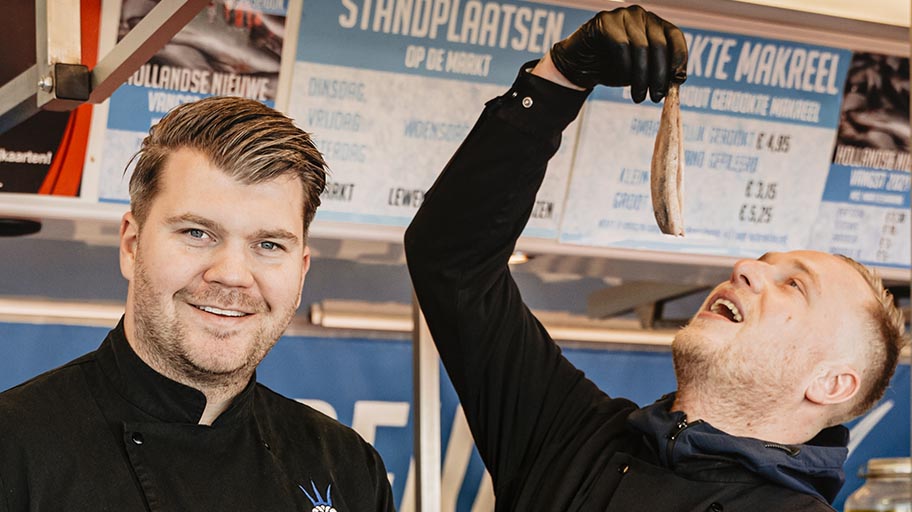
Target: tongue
724 311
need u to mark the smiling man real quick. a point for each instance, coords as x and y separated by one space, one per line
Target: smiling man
167 415
792 345
787 347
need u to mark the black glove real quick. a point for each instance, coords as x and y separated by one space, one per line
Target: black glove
626 46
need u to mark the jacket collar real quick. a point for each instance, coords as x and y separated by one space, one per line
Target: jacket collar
157 395
814 468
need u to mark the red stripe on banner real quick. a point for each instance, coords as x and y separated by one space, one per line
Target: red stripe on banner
65 174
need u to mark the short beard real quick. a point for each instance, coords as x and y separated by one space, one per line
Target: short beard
163 340
692 364
721 378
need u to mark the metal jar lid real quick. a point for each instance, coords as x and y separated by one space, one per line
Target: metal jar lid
892 467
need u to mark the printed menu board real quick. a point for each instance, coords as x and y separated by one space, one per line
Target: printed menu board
759 120
865 209
229 49
787 145
390 89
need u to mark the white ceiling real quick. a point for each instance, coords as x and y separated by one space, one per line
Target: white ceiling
889 12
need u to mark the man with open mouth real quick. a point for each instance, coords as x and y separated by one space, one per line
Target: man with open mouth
779 355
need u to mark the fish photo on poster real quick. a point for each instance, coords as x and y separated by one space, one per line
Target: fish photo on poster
874 126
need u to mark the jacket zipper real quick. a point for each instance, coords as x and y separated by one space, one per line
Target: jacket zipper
793 451
680 427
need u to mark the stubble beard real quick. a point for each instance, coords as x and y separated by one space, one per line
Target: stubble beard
692 362
725 378
163 339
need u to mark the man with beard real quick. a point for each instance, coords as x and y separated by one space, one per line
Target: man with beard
776 358
167 414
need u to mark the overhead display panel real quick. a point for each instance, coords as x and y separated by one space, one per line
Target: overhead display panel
786 147
760 120
390 89
865 209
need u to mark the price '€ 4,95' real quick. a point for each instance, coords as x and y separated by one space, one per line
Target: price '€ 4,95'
777 143
758 210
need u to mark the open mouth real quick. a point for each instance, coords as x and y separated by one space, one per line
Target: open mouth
221 312
726 308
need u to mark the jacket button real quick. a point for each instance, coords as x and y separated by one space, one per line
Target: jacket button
715 507
623 469
137 438
527 102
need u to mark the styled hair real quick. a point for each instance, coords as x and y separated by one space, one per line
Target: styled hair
888 329
245 139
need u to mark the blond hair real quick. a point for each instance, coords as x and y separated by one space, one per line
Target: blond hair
888 326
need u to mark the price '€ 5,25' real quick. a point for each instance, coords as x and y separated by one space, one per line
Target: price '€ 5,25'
758 210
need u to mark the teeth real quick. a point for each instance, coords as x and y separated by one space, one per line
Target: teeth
719 303
222 312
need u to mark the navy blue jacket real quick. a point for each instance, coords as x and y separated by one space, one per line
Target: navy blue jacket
550 438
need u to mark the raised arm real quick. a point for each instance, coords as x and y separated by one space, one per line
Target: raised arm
495 352
521 397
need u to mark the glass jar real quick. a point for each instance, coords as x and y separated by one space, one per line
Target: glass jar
887 487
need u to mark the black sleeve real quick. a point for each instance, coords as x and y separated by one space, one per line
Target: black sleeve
520 395
4 503
382 491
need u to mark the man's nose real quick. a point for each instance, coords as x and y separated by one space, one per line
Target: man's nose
751 273
230 267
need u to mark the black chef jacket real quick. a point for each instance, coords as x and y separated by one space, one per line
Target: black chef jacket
107 433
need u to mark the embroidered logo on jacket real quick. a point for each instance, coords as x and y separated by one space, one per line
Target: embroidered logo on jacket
320 504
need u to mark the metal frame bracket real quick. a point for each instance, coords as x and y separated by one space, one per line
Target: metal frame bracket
60 81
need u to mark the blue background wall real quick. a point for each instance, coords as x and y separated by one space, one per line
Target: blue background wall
344 372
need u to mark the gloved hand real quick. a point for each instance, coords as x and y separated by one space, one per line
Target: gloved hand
626 46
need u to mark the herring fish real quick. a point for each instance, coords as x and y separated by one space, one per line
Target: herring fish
667 169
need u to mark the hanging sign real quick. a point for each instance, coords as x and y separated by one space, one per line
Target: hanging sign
390 89
865 209
760 121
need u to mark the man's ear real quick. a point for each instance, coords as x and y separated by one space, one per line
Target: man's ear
834 385
129 237
305 266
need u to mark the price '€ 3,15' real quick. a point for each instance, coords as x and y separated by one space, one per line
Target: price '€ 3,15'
759 189
759 210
